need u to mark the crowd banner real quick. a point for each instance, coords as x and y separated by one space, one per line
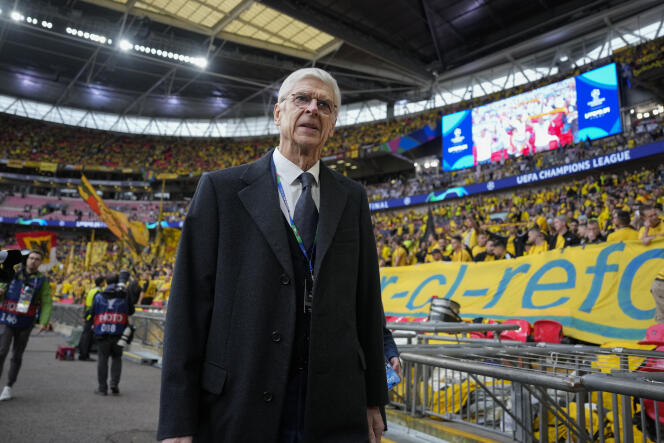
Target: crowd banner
598 292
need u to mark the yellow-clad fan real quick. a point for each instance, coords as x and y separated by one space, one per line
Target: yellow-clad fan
623 232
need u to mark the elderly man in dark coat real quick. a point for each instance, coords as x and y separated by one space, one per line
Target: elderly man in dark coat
274 325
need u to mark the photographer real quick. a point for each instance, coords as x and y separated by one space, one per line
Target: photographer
111 309
25 297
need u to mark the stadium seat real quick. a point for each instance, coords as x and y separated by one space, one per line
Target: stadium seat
654 335
654 365
489 334
520 334
477 335
547 331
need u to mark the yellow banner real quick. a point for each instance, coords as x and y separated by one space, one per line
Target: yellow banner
598 292
17 164
48 166
167 176
95 253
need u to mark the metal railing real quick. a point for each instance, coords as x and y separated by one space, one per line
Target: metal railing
149 322
537 392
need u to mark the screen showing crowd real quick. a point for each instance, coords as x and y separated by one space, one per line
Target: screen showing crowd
562 113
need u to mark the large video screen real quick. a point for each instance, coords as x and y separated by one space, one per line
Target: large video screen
572 110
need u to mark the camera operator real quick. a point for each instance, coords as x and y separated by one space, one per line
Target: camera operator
111 309
25 297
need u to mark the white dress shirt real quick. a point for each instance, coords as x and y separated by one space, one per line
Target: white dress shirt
289 173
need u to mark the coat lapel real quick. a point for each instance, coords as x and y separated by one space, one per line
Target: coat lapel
332 203
260 200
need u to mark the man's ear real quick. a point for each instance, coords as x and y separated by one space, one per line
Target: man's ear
277 114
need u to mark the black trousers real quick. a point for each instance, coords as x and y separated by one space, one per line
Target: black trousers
108 347
291 429
85 343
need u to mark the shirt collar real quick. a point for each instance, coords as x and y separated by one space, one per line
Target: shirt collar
289 171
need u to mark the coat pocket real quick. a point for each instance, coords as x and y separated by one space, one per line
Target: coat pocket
213 378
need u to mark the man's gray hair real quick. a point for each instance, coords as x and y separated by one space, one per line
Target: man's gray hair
296 76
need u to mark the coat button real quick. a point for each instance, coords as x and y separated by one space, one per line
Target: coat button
267 396
285 279
276 336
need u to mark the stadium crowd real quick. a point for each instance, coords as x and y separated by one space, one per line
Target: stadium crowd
601 207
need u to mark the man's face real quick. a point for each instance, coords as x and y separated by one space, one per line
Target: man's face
489 247
532 237
456 244
651 216
592 231
558 225
573 226
33 262
481 240
307 127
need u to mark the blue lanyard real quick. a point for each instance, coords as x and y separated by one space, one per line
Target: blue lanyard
292 223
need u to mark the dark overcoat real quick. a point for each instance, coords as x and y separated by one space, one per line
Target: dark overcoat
231 314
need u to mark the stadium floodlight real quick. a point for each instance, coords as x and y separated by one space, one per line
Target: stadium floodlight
125 45
86 35
17 16
564 58
639 116
79 33
655 111
631 111
646 114
201 62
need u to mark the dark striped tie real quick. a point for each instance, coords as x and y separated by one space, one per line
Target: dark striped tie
306 214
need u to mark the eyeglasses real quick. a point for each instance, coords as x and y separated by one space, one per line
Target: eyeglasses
303 100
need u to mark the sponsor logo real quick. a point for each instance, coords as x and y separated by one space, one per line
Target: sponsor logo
406 201
491 186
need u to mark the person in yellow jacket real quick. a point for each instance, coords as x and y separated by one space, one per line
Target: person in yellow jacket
623 232
536 242
652 225
459 252
85 343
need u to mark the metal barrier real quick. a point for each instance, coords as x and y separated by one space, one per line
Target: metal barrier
537 392
148 320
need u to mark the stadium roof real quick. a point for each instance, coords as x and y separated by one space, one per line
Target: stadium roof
210 59
242 21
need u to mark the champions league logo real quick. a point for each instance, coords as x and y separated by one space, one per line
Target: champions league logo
458 138
597 100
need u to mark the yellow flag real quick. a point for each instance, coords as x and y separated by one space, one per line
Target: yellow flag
135 233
